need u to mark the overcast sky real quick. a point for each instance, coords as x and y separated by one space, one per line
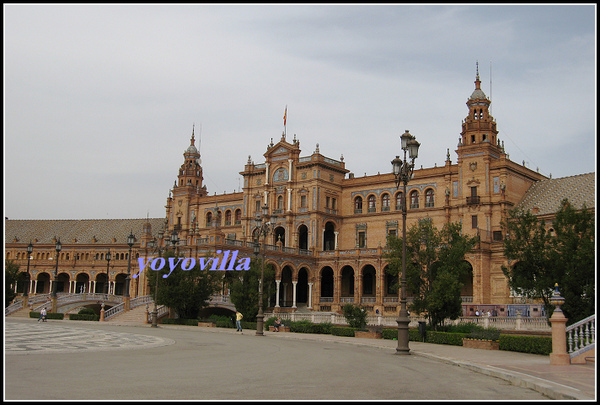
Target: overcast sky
100 100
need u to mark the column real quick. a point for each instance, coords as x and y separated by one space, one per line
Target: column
310 295
336 233
266 173
289 199
357 288
294 284
277 282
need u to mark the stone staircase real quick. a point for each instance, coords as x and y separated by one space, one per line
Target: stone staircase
21 313
135 316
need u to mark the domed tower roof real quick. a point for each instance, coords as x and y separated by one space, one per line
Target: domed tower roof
191 150
478 94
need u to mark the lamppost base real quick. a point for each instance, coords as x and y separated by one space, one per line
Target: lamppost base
260 325
154 319
403 348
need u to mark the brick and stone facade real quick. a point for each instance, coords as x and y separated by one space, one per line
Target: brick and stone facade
330 226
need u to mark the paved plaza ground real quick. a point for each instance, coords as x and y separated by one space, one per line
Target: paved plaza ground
63 360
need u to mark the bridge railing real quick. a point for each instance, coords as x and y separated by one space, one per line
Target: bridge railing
581 336
113 311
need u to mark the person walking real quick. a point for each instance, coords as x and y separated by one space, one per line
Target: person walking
238 321
42 315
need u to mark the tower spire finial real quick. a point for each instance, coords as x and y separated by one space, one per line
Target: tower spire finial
193 128
477 81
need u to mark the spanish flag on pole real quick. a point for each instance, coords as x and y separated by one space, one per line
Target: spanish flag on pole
285 116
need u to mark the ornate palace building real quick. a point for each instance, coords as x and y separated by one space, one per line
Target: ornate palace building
330 227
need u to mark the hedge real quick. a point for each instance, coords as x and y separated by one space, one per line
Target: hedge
526 344
309 327
445 338
180 321
83 317
342 331
49 315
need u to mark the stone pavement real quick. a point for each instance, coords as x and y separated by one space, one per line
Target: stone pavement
26 336
572 382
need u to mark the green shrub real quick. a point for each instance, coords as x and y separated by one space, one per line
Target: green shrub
484 334
49 315
86 311
249 325
392 334
526 344
225 324
219 318
445 338
342 331
355 315
307 326
84 317
180 321
466 327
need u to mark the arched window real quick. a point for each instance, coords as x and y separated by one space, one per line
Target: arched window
208 218
280 202
238 216
414 199
371 201
385 202
358 205
429 198
399 201
227 217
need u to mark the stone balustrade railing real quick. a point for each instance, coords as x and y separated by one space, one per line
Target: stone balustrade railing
581 336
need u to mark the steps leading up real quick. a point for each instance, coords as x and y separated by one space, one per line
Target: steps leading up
136 316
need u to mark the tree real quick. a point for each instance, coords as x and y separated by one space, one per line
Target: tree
185 291
11 274
243 291
355 315
435 268
538 258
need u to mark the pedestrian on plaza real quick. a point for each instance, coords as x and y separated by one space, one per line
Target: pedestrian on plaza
238 321
477 313
277 324
42 315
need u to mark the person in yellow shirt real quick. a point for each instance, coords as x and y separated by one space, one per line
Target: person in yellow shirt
238 321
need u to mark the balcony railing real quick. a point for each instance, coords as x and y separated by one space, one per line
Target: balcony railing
473 200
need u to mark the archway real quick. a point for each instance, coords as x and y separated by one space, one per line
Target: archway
347 289
302 286
62 283
43 283
368 281
280 235
120 284
286 288
326 283
303 237
329 236
81 283
101 283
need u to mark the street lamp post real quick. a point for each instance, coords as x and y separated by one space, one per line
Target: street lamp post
130 242
108 257
155 244
27 282
264 227
58 248
403 171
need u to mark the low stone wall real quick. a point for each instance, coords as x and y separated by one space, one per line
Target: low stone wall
481 344
368 335
207 324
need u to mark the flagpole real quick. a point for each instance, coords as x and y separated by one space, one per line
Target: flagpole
285 122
